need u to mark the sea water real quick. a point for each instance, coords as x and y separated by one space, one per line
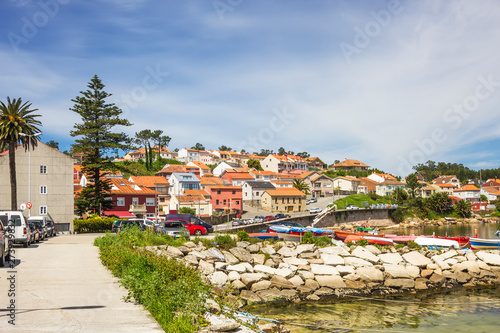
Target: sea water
459 310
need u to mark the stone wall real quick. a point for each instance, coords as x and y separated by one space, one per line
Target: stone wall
287 271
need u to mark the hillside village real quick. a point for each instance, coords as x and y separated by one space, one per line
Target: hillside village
231 184
213 182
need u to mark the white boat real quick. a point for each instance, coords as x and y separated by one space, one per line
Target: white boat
437 242
484 244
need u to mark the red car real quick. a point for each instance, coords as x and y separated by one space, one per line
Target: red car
193 229
270 218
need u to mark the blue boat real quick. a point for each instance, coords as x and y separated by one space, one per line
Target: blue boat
484 244
295 234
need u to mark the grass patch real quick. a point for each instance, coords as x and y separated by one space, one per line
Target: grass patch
170 290
357 199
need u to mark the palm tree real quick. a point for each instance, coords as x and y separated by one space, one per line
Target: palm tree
16 117
300 185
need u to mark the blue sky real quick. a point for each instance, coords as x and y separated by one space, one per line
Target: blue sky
390 83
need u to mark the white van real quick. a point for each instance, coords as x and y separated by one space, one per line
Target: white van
21 232
42 221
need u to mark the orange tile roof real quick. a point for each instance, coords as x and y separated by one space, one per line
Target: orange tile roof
239 175
491 190
149 181
211 180
191 199
446 185
467 188
285 192
78 167
385 176
200 165
255 172
351 163
291 177
124 186
307 173
196 192
173 168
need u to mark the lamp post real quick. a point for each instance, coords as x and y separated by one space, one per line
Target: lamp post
29 163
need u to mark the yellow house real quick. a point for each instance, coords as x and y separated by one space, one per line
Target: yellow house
284 200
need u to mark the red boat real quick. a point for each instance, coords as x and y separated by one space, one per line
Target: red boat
341 235
369 239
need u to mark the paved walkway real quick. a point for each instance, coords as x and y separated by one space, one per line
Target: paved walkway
60 285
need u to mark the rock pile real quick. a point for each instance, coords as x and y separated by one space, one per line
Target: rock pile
287 271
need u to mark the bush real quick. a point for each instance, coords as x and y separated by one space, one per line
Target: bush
187 210
93 224
243 236
171 291
225 241
398 214
463 208
307 238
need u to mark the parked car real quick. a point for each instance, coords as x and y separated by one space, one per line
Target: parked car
35 234
130 223
42 232
116 225
312 200
259 219
151 224
235 223
270 218
173 229
192 219
41 224
315 210
281 216
193 229
351 206
18 221
4 241
51 228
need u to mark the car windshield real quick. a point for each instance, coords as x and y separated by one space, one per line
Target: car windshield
36 223
5 220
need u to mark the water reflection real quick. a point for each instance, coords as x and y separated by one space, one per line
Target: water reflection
452 311
484 230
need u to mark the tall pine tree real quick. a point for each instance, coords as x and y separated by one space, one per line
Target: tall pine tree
96 137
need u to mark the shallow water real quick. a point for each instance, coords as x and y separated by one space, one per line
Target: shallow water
483 230
462 310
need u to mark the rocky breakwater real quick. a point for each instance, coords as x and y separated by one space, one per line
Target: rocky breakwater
287 271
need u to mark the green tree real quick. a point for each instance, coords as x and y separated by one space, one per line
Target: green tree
412 185
265 152
95 137
16 117
198 146
225 148
281 151
159 140
497 205
143 138
187 210
438 202
484 198
53 144
463 208
399 195
304 155
300 185
254 164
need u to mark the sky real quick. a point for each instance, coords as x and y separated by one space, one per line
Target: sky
389 83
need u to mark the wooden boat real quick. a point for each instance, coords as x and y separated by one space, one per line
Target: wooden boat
295 234
436 242
401 239
450 219
484 243
341 234
264 235
369 239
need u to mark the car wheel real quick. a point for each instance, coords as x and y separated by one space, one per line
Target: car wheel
197 232
26 244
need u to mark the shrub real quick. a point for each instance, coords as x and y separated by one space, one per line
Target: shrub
171 291
413 245
225 241
307 238
398 214
463 208
187 210
93 224
243 236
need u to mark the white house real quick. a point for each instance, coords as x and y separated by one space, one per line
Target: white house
284 163
346 184
223 166
381 177
253 190
187 155
389 186
183 181
490 192
470 193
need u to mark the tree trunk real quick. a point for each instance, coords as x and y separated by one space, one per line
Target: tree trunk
13 181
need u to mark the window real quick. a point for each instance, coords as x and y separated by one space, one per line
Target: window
234 192
217 201
43 169
257 193
43 210
150 215
150 201
275 200
43 189
237 202
218 192
120 201
282 200
135 201
224 201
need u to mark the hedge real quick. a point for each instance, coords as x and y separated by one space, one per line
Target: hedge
93 224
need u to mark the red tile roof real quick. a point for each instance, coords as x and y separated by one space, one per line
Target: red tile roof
285 192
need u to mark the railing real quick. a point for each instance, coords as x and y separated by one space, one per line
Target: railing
137 208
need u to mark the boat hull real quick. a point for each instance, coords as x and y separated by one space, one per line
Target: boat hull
264 235
484 244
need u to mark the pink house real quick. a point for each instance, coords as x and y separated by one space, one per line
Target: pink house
224 198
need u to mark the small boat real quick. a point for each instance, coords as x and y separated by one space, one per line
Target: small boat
436 242
295 234
264 235
369 239
484 244
461 240
402 239
450 219
341 234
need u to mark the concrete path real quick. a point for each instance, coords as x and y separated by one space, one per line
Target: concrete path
60 285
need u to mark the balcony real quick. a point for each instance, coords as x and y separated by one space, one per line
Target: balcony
137 209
